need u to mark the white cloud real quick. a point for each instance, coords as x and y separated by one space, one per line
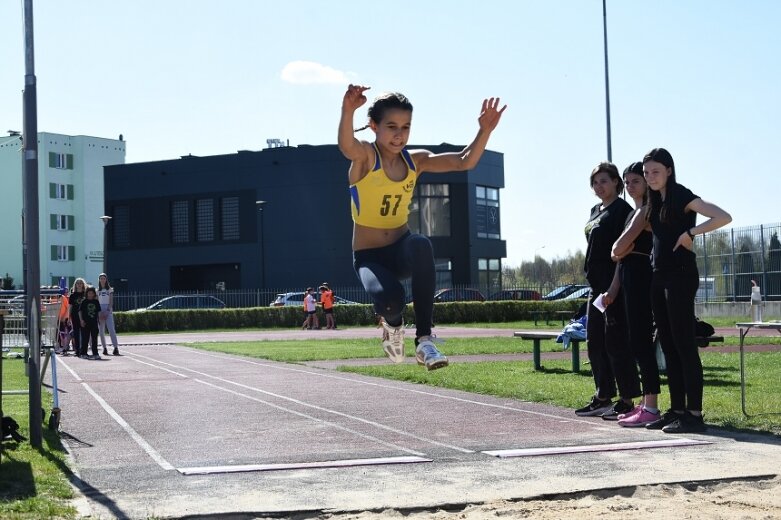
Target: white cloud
308 72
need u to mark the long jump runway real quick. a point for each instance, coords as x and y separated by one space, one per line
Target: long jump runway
170 431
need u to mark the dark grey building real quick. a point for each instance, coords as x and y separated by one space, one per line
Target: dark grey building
195 222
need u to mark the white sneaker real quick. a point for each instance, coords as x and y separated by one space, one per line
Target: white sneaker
427 354
393 341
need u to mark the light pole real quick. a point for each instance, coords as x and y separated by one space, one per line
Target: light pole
607 82
105 219
260 204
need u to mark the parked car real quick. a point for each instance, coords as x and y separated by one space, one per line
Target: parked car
563 291
296 299
579 293
188 301
458 295
516 294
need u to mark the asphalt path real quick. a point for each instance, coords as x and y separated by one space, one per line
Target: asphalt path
168 431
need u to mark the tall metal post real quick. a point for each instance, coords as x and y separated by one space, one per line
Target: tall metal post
31 231
105 219
607 84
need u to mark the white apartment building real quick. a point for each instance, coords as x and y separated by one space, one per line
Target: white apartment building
71 202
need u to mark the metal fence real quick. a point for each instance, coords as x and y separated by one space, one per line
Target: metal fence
728 260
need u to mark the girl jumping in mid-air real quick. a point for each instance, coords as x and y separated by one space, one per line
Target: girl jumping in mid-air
382 178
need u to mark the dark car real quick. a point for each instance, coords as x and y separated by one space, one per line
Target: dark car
458 295
188 301
563 291
582 292
516 294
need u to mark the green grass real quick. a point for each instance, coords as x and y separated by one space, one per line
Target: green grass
554 385
33 482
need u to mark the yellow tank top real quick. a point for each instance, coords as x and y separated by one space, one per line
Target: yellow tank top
380 202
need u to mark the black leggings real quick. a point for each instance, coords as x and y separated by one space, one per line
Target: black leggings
636 285
673 304
382 269
611 360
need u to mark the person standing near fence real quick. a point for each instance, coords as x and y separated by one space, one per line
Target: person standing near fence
672 214
635 282
382 178
612 364
89 314
327 300
76 296
106 321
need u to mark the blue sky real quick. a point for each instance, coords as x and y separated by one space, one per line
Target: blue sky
700 78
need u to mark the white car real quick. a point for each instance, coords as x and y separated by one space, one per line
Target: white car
296 299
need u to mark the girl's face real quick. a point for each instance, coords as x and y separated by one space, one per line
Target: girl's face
79 286
656 175
393 131
102 279
635 185
91 295
604 187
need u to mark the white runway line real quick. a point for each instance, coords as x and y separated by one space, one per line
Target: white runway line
310 405
323 373
619 446
312 418
207 470
130 431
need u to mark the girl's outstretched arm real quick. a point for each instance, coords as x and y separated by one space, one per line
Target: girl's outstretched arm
718 218
467 158
348 144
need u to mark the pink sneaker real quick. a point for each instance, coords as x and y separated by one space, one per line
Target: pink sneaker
634 411
639 419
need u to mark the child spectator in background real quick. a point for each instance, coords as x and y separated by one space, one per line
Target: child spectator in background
106 321
327 299
310 309
89 311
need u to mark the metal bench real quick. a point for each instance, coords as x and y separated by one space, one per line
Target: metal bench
537 336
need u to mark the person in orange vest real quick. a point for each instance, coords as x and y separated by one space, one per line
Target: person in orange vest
327 299
64 326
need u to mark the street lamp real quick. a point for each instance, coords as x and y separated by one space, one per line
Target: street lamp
607 82
105 219
259 204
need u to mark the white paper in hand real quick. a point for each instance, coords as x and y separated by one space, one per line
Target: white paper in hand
599 303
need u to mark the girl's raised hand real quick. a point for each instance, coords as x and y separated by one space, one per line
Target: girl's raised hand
489 114
354 98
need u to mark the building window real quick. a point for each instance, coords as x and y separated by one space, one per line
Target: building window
120 225
180 221
489 273
61 161
63 253
229 212
444 272
60 191
430 210
487 218
62 222
204 220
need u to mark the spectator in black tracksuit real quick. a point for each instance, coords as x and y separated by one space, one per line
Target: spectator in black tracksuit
672 215
89 313
635 278
612 362
76 296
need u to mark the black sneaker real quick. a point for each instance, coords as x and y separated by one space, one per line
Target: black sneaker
595 407
667 417
686 423
619 408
